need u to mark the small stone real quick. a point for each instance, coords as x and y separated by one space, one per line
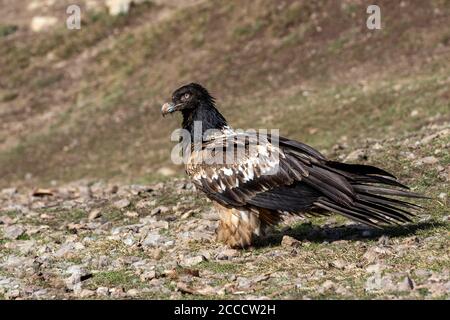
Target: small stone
9 192
289 241
14 231
227 254
374 268
122 204
383 240
427 160
148 275
116 7
132 292
152 240
85 293
116 292
187 214
377 146
77 274
6 220
357 155
42 23
102 291
443 196
414 113
378 282
145 204
339 264
131 214
406 285
13 294
160 224
192 261
94 214
328 285
64 249
159 210
165 171
157 254
129 241
422 273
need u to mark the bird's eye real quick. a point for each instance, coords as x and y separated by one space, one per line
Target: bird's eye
186 96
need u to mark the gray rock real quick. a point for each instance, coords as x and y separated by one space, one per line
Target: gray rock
427 160
148 275
102 291
288 241
227 254
122 204
27 246
152 240
8 192
159 210
14 231
192 261
422 273
67 248
405 285
17 262
375 268
85 293
357 155
13 294
94 214
132 292
378 282
77 273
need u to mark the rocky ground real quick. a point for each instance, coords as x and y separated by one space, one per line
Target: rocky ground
97 240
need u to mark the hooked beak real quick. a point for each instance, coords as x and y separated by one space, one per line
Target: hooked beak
167 108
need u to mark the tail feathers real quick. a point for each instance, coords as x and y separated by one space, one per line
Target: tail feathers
358 169
351 213
372 208
373 196
378 190
370 213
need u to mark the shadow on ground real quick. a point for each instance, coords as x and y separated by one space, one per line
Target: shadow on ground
319 234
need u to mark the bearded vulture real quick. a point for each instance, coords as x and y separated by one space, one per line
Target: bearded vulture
256 178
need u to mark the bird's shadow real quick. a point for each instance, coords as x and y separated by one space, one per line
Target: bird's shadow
318 234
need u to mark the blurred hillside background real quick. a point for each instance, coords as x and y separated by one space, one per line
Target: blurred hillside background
77 104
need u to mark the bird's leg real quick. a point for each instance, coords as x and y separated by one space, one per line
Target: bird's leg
238 228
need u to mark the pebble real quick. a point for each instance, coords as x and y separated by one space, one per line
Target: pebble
132 292
375 268
148 275
357 155
85 293
13 232
122 204
227 254
77 274
102 291
289 241
192 261
131 214
152 240
159 210
406 284
94 214
427 160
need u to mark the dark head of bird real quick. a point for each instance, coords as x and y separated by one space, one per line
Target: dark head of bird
196 104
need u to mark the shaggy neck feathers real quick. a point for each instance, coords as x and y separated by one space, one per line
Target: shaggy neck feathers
207 114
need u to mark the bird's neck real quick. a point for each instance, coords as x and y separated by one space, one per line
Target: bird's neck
204 117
